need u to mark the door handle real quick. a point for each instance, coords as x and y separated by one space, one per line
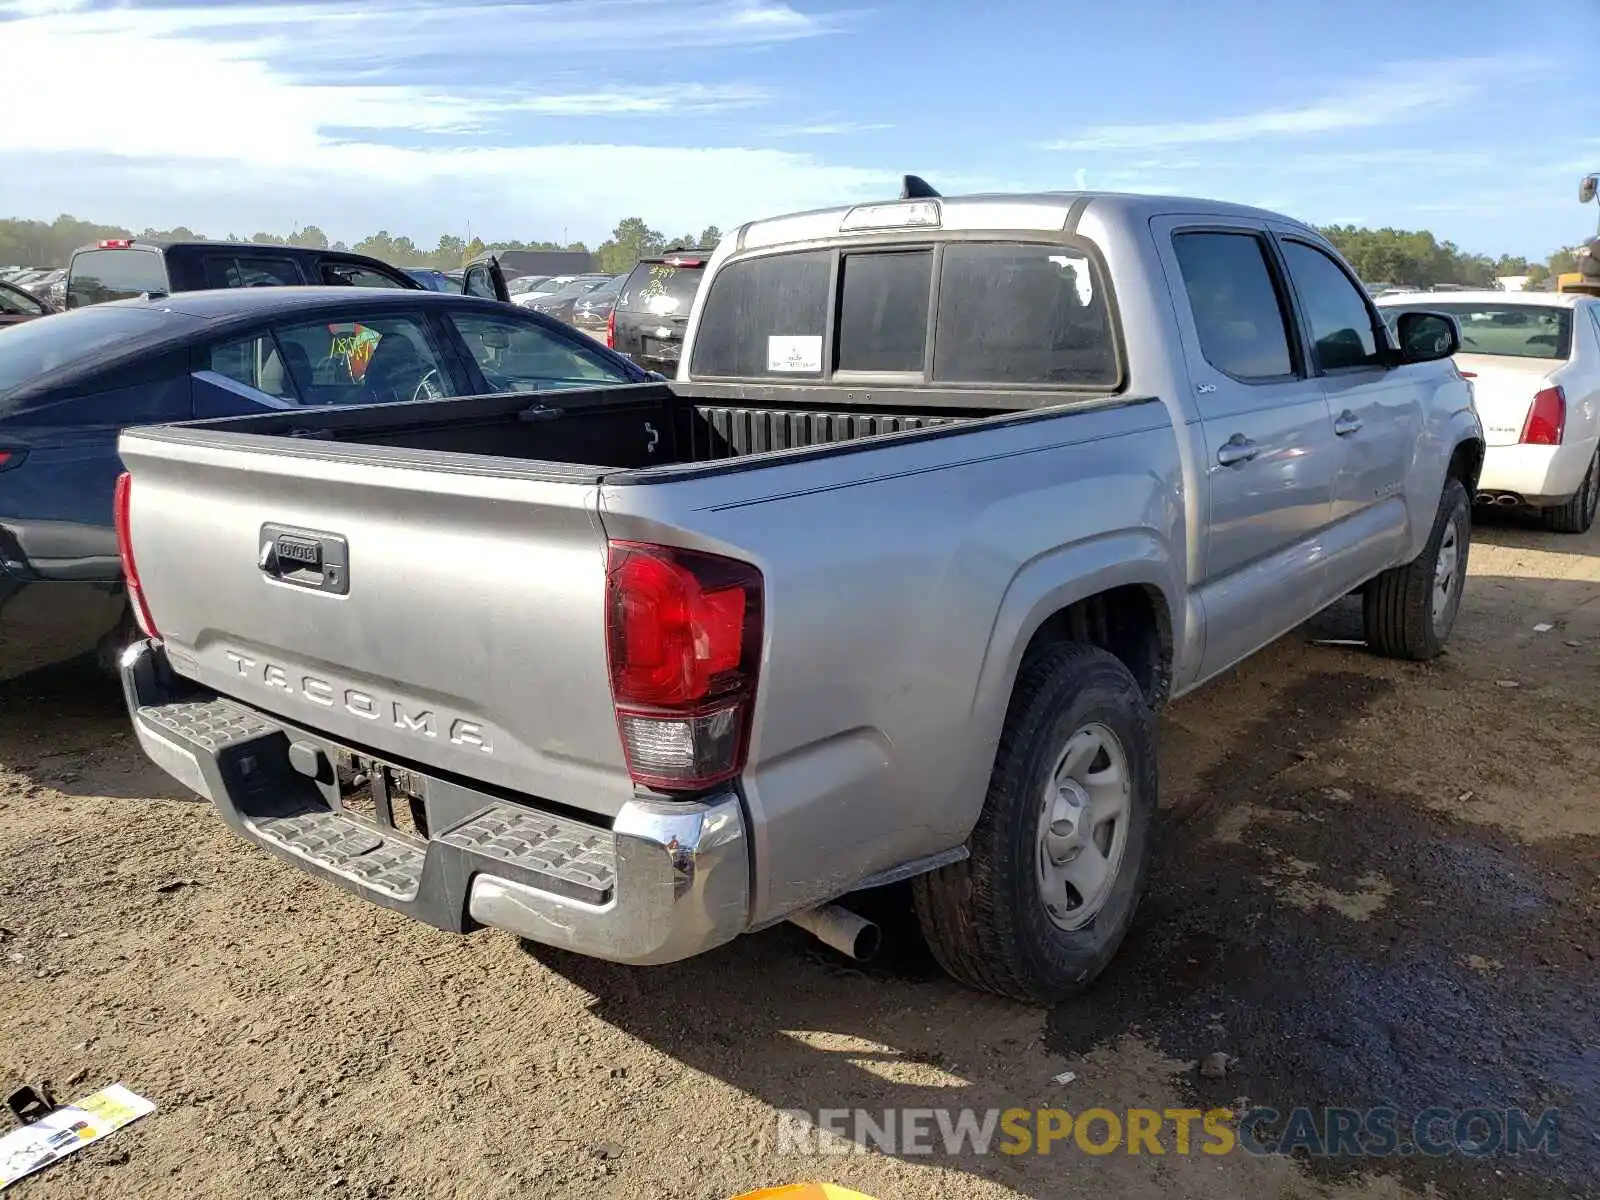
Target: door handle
1346 423
1237 449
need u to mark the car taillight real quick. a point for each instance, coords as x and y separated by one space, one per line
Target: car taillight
1547 419
116 243
11 458
130 572
611 330
683 635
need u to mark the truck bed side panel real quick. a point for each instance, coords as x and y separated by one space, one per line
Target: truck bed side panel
902 584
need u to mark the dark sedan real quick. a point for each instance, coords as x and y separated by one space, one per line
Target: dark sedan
17 306
70 384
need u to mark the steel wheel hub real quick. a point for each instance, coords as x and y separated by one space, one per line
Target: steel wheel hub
1083 826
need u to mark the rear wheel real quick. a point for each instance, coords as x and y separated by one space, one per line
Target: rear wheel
1062 848
1410 610
1578 513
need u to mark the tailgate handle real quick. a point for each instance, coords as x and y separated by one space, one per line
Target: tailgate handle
319 562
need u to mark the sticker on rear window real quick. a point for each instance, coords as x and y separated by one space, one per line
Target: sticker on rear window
797 355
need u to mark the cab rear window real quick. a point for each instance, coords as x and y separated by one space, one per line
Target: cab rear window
96 276
1008 314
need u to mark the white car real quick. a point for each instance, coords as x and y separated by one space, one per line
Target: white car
543 291
1534 362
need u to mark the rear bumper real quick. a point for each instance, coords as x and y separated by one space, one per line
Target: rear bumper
1541 475
667 881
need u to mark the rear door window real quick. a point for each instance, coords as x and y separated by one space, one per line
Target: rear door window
883 311
765 317
256 362
1238 317
96 276
251 272
361 361
1022 314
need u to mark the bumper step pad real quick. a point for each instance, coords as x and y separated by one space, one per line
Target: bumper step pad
555 854
387 865
568 858
209 724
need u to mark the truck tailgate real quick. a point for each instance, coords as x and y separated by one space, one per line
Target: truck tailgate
451 618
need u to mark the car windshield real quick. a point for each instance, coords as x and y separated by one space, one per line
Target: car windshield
525 283
1503 330
30 351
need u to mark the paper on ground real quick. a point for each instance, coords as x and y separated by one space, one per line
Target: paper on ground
50 1139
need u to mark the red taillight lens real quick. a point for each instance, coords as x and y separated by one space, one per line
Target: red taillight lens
611 330
115 243
683 632
1547 419
11 458
130 572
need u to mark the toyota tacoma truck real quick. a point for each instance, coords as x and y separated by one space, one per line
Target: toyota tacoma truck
948 496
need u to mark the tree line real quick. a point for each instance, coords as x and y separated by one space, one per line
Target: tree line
1398 256
25 243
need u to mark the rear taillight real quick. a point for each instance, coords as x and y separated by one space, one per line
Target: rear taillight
1547 419
11 458
611 330
683 634
130 572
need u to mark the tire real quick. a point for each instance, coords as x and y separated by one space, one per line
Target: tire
1410 610
1577 514
985 918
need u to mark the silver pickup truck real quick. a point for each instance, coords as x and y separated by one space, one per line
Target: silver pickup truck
948 496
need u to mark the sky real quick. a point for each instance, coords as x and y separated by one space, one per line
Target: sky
552 119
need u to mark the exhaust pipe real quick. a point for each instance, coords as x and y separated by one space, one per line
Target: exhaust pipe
1484 499
853 936
1508 500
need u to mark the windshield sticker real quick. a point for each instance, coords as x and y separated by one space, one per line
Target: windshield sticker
795 354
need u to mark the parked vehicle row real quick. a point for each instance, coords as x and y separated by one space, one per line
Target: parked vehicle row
70 383
948 496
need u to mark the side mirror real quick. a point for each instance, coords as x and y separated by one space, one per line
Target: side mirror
1426 336
1587 189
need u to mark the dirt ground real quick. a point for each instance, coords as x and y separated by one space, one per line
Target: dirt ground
1378 884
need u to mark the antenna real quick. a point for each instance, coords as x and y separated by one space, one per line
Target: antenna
917 188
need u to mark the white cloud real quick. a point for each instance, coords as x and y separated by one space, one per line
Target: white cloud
204 116
1399 94
827 129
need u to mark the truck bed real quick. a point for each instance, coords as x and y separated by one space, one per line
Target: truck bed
594 431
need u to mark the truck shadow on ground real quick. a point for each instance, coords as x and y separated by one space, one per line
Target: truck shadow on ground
54 725
1347 946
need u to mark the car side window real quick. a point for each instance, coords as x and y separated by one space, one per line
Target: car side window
1342 332
524 356
354 275
255 362
251 272
19 303
1594 313
364 361
1238 315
